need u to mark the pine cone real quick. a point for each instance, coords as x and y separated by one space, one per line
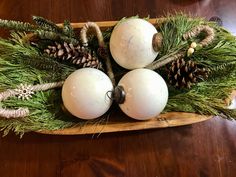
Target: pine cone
77 55
183 74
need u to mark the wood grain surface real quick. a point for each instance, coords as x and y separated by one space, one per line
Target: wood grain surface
118 122
205 149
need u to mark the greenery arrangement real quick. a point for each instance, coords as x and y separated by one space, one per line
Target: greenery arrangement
23 60
207 97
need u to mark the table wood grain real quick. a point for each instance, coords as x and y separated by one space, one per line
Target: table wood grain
206 149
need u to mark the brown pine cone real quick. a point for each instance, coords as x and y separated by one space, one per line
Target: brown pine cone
77 55
183 74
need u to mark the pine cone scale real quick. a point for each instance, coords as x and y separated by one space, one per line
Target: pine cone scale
60 53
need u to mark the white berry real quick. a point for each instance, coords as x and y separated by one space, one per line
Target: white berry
190 51
193 45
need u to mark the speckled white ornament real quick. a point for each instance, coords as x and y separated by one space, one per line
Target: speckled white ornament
131 43
146 94
85 93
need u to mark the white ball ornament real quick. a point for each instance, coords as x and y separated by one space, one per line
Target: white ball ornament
131 43
146 94
85 93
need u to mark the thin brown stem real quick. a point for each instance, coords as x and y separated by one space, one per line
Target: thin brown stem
165 60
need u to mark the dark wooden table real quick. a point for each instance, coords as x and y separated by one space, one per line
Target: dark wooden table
205 149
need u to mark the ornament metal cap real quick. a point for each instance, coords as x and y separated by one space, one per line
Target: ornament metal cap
157 42
119 94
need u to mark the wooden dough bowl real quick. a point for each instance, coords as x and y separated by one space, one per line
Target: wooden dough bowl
119 122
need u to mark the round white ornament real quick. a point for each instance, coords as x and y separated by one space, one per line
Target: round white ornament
131 43
146 94
85 93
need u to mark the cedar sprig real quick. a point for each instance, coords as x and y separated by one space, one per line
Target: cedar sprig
223 70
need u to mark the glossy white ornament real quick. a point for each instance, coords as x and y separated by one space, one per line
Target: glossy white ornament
131 43
146 94
85 93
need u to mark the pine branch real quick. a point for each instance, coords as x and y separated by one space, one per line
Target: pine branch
219 56
173 29
27 58
17 26
68 30
21 64
223 70
55 36
45 114
41 62
46 25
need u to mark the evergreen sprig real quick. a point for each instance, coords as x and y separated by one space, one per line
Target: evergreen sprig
68 30
220 57
205 98
47 25
16 25
19 63
55 36
44 29
17 56
45 114
172 30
